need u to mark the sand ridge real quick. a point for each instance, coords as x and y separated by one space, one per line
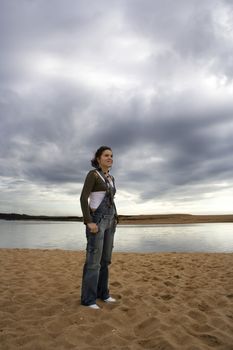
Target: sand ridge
166 301
173 219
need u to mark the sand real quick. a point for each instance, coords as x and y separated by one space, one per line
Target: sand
165 301
173 219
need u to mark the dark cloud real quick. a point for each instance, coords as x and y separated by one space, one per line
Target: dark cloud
200 34
150 79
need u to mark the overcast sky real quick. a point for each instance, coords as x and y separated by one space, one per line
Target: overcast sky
151 79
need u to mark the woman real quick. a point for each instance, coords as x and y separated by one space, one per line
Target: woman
100 218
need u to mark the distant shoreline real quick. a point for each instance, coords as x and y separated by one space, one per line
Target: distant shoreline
14 216
175 219
132 219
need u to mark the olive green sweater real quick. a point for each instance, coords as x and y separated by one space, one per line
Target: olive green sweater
93 183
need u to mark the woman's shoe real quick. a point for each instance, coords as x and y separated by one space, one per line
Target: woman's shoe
110 300
94 306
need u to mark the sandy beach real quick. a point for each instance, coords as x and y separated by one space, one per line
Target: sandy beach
165 301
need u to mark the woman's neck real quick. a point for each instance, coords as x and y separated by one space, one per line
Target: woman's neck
105 170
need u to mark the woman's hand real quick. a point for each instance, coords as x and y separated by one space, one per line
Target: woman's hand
93 227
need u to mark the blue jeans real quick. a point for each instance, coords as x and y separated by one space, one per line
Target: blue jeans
98 258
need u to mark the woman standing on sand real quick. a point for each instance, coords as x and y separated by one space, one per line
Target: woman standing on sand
100 218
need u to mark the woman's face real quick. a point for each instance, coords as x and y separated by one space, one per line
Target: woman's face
105 159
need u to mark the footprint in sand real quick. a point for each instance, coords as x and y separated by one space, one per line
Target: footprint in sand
116 284
167 296
147 327
210 340
157 344
169 283
197 315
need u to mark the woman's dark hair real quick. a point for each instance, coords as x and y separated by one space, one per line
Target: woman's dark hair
98 153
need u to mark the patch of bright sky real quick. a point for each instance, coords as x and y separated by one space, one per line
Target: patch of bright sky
222 17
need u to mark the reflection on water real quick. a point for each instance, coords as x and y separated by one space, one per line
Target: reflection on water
217 237
176 238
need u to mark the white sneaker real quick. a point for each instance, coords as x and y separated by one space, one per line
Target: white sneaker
110 300
94 306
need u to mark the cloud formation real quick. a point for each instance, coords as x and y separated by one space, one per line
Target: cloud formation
151 79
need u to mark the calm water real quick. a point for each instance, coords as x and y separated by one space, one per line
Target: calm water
142 238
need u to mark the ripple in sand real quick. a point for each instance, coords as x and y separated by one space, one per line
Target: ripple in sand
147 327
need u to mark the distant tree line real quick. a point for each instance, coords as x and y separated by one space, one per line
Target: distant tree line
14 216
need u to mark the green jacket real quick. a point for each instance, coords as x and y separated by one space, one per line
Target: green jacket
92 183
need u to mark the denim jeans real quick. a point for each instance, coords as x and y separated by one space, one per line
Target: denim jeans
98 256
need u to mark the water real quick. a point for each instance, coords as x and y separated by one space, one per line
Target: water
217 237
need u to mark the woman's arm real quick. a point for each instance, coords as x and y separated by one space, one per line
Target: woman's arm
87 189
